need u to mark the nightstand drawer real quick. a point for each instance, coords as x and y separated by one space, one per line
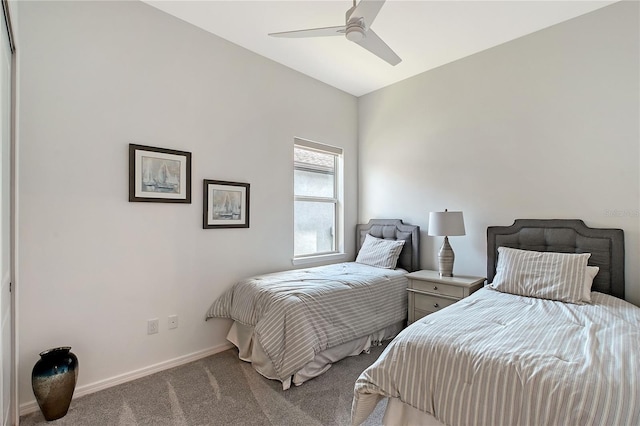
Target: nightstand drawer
438 288
428 303
420 314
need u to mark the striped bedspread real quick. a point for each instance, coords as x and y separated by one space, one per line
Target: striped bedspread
499 359
298 313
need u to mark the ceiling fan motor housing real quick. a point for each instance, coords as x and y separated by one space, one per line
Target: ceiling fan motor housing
355 30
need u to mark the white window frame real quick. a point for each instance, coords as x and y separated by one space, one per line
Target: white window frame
338 201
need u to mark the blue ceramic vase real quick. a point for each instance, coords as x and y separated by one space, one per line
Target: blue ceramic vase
53 380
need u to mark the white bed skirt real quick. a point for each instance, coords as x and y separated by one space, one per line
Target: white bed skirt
400 414
250 350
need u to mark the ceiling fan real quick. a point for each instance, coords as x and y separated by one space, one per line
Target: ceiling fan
357 29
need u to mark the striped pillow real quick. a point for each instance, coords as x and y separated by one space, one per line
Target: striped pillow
380 253
545 275
589 276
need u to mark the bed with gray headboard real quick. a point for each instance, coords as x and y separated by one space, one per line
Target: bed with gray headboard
394 229
606 246
291 325
505 356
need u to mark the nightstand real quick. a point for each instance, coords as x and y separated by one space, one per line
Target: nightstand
429 292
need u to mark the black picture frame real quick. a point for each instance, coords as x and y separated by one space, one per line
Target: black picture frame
225 204
159 175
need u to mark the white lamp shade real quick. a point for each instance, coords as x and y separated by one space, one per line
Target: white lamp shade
446 223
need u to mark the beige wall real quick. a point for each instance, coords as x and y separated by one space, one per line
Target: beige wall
546 126
96 76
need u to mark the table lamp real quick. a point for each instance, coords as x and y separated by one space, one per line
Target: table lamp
446 224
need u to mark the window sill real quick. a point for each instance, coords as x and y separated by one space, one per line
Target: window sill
319 259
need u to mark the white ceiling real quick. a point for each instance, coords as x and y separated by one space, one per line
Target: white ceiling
424 33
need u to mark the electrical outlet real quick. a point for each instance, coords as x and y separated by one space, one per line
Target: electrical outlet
173 322
153 326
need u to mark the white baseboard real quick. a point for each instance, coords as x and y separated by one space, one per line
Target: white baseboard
32 406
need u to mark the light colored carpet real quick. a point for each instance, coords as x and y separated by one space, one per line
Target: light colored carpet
221 390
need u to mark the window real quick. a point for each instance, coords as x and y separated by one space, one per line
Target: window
317 198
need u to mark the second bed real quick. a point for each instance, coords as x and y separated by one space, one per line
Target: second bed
293 325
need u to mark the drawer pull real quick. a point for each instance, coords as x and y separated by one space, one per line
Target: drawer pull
435 305
435 287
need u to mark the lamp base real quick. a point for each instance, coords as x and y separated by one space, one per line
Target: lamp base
445 259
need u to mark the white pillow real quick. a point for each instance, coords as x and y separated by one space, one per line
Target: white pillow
545 275
589 275
379 252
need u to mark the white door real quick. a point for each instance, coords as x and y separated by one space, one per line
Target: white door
6 297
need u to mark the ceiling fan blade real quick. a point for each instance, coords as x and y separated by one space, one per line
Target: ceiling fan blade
367 9
375 45
314 32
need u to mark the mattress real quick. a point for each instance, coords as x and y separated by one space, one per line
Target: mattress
297 314
500 359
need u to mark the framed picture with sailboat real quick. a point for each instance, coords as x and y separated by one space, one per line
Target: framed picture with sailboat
159 175
226 204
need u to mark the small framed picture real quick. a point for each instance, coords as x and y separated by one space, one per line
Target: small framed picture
159 175
226 204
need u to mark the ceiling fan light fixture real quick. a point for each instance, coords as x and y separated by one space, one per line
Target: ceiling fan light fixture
355 33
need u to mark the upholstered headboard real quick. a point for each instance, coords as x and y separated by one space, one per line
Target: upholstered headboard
606 246
394 229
